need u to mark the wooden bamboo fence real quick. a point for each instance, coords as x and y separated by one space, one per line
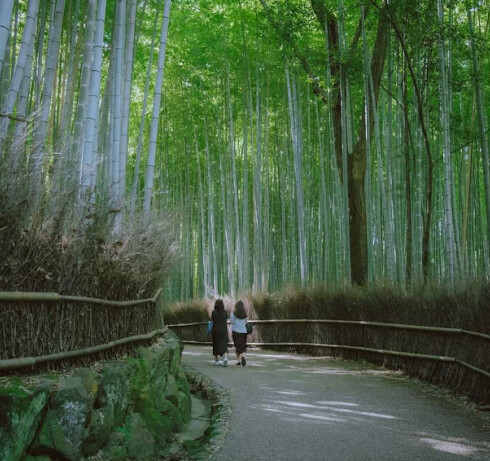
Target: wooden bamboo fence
396 345
43 327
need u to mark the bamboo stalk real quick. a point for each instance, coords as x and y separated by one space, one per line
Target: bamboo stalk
11 364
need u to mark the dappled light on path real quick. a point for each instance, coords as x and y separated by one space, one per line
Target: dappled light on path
290 407
331 408
455 446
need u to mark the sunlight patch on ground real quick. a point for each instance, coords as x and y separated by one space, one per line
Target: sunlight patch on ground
450 447
194 354
340 410
345 404
281 357
295 393
322 417
292 416
328 371
283 391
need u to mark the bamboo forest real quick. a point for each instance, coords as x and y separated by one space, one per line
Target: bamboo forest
245 145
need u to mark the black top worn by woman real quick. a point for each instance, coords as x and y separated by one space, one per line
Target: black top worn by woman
220 332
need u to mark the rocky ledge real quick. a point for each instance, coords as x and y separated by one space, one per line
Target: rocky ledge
126 410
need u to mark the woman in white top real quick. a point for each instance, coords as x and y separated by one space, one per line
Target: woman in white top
238 319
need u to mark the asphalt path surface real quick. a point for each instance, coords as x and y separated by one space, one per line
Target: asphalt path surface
290 407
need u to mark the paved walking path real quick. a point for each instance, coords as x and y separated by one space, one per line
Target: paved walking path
287 407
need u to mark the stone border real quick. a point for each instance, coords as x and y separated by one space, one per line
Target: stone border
214 437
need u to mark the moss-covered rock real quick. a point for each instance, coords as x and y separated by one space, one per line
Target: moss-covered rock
115 390
37 458
21 409
98 431
126 413
115 449
140 441
63 428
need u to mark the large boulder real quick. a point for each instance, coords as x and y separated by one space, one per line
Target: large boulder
63 429
126 413
150 402
116 449
115 392
140 441
98 431
21 409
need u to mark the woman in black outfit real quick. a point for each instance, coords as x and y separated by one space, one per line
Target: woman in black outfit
220 332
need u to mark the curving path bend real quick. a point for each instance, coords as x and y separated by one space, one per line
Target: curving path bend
288 407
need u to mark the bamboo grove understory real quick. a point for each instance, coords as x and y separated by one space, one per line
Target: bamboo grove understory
292 141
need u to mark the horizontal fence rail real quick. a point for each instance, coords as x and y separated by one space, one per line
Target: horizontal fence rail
395 326
18 296
354 322
62 330
12 364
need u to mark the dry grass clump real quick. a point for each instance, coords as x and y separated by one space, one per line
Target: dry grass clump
54 245
192 311
465 306
51 240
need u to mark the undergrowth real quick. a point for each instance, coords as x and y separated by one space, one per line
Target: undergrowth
465 305
52 242
462 305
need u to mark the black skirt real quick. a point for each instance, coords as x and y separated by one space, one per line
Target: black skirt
220 343
240 342
220 332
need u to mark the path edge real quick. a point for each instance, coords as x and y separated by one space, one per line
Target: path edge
221 410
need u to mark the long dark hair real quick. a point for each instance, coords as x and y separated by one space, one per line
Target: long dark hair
240 312
219 305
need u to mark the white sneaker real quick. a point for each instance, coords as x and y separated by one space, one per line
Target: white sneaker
225 362
216 363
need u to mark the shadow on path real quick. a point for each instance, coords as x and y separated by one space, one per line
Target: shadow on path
288 407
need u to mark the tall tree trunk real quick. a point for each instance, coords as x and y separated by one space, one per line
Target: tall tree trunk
448 179
481 123
127 80
73 57
136 174
21 67
427 212
5 21
52 54
357 166
231 125
80 119
90 146
157 97
295 123
117 101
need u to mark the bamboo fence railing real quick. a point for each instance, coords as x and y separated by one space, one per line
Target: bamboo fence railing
438 358
19 297
11 364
